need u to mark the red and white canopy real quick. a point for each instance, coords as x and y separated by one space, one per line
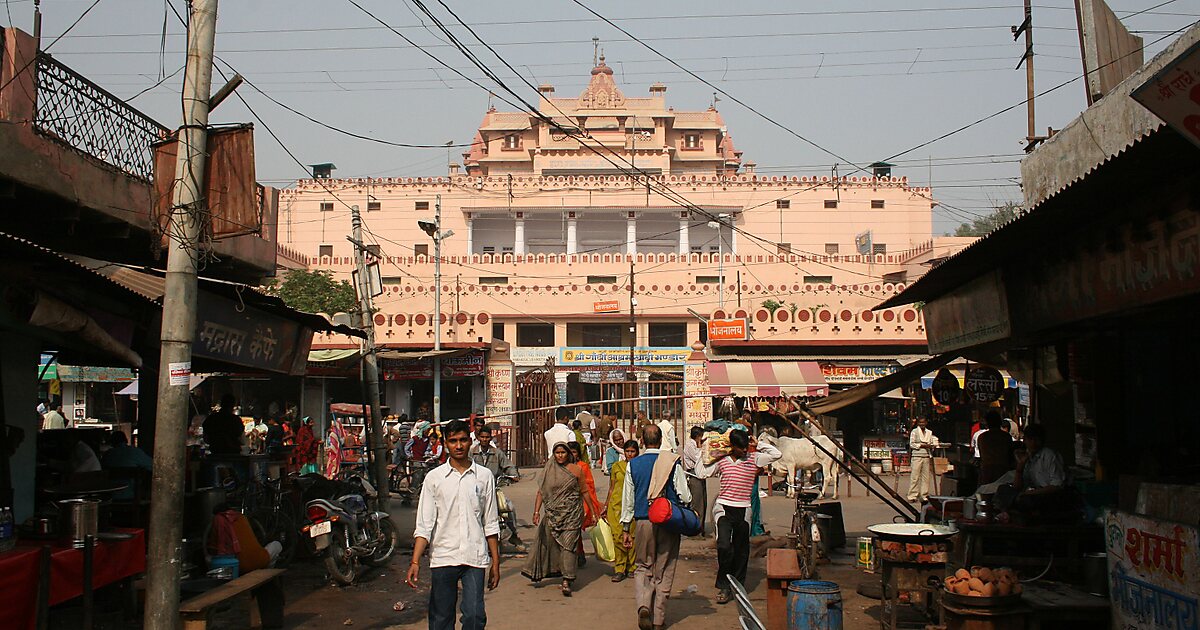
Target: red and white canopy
767 378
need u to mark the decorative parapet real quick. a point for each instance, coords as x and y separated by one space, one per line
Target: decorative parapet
556 182
292 255
332 262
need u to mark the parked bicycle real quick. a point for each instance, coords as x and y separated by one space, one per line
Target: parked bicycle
405 479
804 532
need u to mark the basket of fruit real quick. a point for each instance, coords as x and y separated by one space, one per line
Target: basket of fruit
981 587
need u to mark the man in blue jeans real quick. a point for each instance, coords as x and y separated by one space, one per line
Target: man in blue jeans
458 522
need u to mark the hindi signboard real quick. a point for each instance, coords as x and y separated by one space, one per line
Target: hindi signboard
842 373
464 366
1174 94
697 411
620 356
243 335
606 306
945 387
727 330
984 384
499 393
1152 571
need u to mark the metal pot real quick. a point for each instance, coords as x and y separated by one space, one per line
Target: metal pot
81 518
912 532
42 525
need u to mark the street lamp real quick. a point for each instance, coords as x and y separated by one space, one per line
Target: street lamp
716 225
434 230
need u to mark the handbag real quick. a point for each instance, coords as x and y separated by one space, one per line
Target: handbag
602 541
672 516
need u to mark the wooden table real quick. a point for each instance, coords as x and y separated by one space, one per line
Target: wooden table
782 568
1062 545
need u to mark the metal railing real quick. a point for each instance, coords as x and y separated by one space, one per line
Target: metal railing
86 117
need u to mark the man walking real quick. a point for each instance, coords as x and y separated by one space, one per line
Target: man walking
560 432
692 454
458 522
921 441
653 474
738 473
491 457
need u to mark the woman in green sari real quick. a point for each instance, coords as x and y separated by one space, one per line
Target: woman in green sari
558 515
623 564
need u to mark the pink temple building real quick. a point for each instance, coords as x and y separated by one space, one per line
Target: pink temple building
548 219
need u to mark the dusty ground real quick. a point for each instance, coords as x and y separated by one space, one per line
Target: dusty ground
598 603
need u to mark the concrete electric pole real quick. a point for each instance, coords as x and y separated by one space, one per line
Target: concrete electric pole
434 230
370 365
164 548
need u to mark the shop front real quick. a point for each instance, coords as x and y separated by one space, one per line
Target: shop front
408 382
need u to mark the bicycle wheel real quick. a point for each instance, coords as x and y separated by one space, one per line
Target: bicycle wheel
806 549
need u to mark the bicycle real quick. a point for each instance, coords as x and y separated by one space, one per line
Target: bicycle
405 479
804 532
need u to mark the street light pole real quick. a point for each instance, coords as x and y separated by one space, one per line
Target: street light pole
437 310
720 222
370 363
164 558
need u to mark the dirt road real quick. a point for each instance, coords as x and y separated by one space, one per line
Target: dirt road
598 604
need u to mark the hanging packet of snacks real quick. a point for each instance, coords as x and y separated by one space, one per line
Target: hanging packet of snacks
716 446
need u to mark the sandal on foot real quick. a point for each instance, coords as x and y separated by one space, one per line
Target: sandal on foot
566 588
620 577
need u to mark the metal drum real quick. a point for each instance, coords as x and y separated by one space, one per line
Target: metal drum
81 518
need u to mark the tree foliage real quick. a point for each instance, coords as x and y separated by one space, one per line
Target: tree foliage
314 291
982 226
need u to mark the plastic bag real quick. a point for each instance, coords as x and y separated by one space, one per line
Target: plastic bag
602 541
716 446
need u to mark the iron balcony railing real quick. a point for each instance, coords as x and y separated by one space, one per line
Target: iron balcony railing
86 117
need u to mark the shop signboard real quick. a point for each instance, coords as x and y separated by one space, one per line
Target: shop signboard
606 306
842 373
972 314
464 366
1174 94
983 384
499 393
1153 571
728 330
945 387
243 335
589 357
532 357
698 410
94 374
1149 261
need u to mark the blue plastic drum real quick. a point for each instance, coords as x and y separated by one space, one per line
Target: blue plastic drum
814 605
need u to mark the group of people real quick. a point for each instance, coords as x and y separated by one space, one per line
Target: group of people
1017 471
458 517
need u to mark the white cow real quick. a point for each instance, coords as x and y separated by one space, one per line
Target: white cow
801 454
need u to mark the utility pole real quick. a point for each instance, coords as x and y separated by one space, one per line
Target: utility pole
1026 27
164 541
370 363
437 311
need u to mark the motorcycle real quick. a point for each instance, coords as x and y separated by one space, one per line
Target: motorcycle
508 512
348 532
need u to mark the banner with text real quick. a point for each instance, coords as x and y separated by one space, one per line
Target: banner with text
620 356
1152 570
727 330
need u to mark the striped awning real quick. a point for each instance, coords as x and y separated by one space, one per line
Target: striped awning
767 378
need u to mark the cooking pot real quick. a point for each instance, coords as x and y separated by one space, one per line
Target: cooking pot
912 532
81 518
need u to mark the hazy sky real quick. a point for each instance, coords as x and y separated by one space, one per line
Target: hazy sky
864 80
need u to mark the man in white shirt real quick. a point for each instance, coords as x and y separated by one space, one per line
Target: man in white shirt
921 441
692 454
54 418
458 521
667 426
560 432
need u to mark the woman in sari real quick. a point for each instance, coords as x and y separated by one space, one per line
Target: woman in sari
335 438
306 447
558 515
623 564
592 510
616 449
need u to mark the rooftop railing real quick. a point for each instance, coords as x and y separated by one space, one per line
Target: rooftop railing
86 117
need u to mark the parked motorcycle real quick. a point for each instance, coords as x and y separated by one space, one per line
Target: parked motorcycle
348 532
508 512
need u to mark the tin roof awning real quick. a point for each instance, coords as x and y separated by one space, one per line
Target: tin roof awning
767 378
400 355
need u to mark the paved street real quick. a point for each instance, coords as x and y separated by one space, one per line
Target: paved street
597 603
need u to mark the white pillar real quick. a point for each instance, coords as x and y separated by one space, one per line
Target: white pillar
685 247
519 236
470 235
572 234
631 235
733 235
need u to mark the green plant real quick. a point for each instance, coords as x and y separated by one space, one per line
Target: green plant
792 308
772 305
314 291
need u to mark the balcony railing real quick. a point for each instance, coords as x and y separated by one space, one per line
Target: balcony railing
86 117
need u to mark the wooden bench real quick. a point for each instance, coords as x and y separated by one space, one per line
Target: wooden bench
782 568
263 586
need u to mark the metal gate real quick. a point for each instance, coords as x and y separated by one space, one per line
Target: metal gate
624 412
535 390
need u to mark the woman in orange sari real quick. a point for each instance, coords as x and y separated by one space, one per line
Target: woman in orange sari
592 511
